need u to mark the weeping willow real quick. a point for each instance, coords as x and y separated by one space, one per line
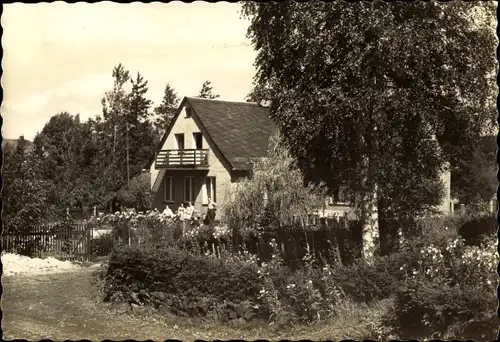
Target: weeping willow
275 196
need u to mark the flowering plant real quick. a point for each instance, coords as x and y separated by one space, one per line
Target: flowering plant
306 294
151 226
457 263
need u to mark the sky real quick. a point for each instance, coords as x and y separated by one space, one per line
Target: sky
59 57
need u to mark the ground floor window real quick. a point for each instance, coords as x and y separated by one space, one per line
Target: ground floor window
188 190
209 190
338 196
168 189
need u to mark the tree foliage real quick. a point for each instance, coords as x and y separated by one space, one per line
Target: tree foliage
474 179
259 93
142 138
357 82
25 194
64 151
85 163
136 194
167 108
128 129
206 91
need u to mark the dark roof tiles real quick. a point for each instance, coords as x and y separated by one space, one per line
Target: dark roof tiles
241 130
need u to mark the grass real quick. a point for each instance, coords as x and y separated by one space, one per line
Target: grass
65 306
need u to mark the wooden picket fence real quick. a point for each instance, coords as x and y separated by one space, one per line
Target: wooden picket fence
64 241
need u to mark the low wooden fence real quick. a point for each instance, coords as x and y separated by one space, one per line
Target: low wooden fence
64 241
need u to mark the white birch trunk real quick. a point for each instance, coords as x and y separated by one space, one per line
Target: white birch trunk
369 224
368 208
368 202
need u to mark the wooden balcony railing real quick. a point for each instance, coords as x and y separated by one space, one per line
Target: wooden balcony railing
191 158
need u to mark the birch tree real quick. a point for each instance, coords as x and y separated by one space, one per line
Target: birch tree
379 96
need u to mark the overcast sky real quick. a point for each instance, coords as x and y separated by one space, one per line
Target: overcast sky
59 57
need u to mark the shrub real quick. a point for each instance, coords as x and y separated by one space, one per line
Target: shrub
151 227
174 271
435 230
473 228
362 282
477 229
103 245
305 294
137 193
450 293
428 308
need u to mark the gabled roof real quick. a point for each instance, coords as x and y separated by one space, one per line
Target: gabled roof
239 130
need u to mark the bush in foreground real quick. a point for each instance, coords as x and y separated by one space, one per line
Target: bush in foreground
450 294
444 288
174 271
278 292
103 245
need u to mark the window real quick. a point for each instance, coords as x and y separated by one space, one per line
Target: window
198 140
180 141
208 190
188 112
188 189
168 189
337 196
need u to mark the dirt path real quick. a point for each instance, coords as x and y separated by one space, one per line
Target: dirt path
63 306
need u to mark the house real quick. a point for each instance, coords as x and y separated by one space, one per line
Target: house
209 146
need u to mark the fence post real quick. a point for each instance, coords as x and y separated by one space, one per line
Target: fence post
129 234
95 210
89 241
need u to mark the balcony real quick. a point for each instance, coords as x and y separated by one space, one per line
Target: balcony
181 159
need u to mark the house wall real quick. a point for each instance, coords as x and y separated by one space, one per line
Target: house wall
336 209
217 169
445 207
446 204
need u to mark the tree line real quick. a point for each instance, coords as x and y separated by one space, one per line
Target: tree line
97 162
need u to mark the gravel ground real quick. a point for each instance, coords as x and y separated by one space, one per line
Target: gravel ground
14 264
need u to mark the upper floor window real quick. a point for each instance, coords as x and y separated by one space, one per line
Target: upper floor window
180 141
198 141
188 112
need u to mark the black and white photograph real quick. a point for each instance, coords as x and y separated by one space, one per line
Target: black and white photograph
250 170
